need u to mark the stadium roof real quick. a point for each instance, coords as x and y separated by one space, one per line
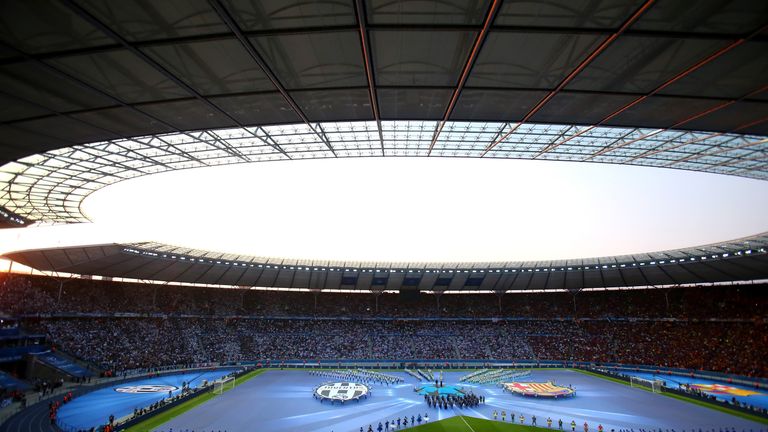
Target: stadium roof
93 92
81 71
742 259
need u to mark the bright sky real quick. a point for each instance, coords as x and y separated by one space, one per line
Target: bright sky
431 209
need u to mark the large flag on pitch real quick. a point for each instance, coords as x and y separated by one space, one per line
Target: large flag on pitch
723 389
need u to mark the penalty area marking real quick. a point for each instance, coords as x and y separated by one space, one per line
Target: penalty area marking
465 422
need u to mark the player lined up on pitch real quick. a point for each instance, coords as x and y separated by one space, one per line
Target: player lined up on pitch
521 418
446 401
397 424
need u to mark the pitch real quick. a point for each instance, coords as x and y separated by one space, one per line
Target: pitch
281 401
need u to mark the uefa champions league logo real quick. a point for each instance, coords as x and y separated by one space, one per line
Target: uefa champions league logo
140 389
341 391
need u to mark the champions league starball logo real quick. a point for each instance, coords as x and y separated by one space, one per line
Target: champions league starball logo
141 389
341 391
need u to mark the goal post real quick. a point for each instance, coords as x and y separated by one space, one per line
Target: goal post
652 385
223 385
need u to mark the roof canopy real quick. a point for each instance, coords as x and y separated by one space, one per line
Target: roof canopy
79 71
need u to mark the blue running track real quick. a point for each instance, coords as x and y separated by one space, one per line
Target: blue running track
93 409
672 381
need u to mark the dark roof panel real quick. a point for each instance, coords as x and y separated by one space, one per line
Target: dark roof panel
407 103
41 86
328 105
733 116
257 109
639 64
735 17
151 20
736 74
427 12
122 74
188 114
530 60
327 59
123 121
495 105
45 26
589 108
213 67
588 14
662 111
290 14
419 58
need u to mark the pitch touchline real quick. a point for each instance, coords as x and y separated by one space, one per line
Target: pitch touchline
465 422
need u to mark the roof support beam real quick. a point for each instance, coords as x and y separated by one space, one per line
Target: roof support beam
86 86
693 141
662 86
704 113
738 147
87 16
57 113
584 63
226 17
489 16
368 62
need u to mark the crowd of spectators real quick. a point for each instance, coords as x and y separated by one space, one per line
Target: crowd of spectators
128 343
130 326
37 295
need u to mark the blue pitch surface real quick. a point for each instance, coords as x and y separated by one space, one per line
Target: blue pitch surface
672 381
93 409
281 401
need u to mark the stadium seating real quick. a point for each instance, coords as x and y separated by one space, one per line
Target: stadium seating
120 326
33 295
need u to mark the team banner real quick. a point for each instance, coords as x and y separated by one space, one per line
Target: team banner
341 391
146 388
538 389
723 389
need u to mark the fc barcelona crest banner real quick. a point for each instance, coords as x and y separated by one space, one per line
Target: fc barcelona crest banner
538 389
723 390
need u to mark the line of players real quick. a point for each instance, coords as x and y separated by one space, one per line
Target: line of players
522 418
549 421
449 401
397 424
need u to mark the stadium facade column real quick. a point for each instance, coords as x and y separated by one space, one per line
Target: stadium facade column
574 293
377 291
499 296
438 291
315 294
666 297
61 286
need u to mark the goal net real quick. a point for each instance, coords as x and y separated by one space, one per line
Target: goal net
653 385
223 385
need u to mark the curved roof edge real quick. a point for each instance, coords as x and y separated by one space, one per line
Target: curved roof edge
744 259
